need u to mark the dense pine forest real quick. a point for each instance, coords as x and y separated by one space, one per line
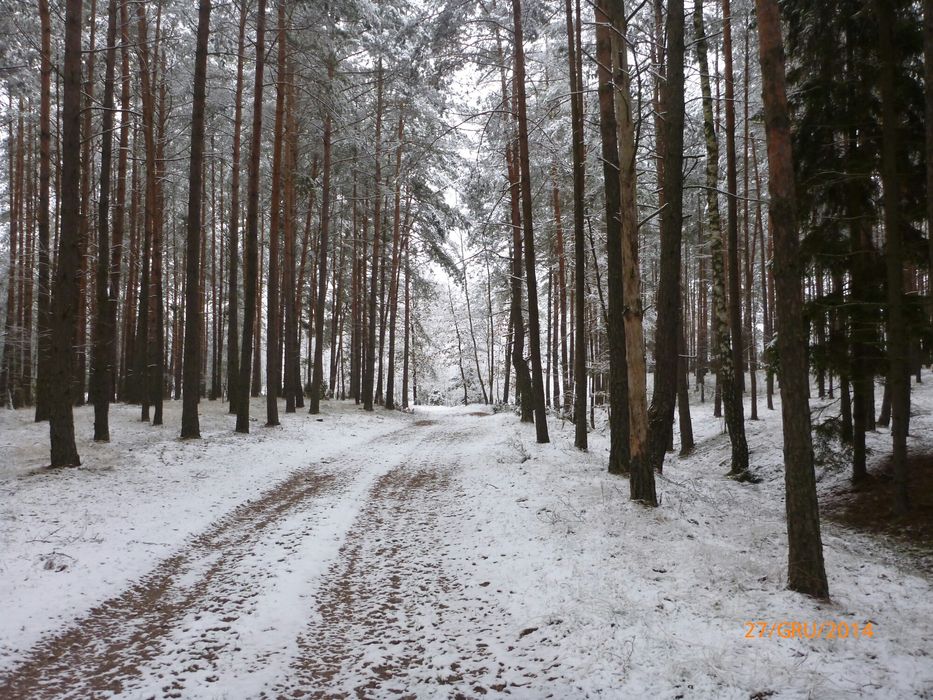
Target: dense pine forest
666 236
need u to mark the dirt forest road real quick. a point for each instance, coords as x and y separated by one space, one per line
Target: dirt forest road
338 581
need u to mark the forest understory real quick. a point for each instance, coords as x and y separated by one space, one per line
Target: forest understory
439 553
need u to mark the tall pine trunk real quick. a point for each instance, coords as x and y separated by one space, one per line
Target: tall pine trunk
190 426
42 215
896 323
805 571
534 327
731 394
396 252
273 320
619 455
370 364
104 329
233 244
251 261
732 225
661 412
579 248
64 319
640 475
317 378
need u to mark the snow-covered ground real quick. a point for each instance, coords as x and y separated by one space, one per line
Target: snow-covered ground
441 553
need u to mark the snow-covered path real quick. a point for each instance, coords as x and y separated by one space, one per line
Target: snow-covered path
440 554
337 579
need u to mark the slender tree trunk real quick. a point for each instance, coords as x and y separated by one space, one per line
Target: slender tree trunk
317 379
292 296
369 370
642 478
256 370
104 330
749 249
766 286
619 454
8 392
928 97
42 215
119 212
407 342
732 226
141 346
157 339
396 252
233 364
896 323
273 368
661 413
560 317
687 443
87 163
64 453
523 392
28 271
130 310
251 261
190 426
731 394
534 329
806 573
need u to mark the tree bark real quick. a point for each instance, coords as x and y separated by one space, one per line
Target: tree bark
579 245
732 225
42 215
896 322
104 329
805 571
661 413
64 453
619 449
84 227
534 329
642 478
273 357
731 394
317 379
251 261
233 360
396 252
370 368
523 392
190 426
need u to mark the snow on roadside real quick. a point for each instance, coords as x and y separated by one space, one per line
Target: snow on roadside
70 539
653 603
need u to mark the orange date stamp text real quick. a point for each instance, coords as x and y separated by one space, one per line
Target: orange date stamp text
787 629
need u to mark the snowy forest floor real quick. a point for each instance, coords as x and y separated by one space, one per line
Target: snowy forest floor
436 554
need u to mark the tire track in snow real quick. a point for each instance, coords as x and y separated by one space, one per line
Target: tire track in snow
107 650
398 614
